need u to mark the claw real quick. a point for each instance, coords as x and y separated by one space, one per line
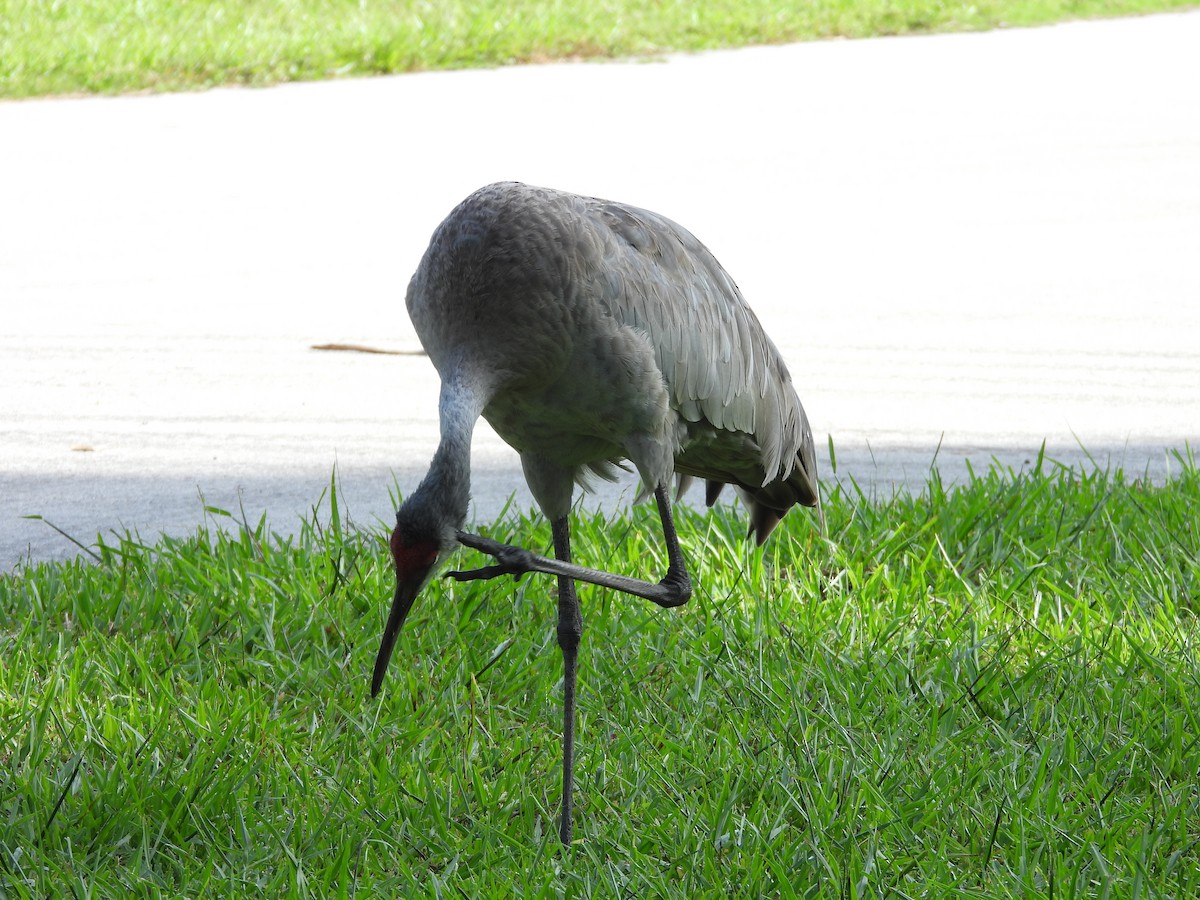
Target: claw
481 543
514 561
486 572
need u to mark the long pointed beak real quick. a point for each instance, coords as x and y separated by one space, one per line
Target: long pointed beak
406 593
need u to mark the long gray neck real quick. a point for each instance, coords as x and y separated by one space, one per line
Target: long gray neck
444 494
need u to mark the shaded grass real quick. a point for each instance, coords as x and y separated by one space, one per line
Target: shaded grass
988 690
111 46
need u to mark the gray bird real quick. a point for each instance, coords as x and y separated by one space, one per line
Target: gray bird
587 333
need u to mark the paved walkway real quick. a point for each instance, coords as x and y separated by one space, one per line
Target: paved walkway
982 240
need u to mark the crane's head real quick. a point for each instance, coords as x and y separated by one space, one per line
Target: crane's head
418 549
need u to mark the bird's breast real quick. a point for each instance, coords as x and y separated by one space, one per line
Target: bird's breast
608 392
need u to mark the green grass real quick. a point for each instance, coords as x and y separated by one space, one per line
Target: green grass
991 690
110 46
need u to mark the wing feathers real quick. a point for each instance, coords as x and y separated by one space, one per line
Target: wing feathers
726 378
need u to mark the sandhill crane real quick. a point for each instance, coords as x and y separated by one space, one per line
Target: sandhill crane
589 332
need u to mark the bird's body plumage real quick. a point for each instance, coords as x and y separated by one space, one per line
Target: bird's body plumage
594 332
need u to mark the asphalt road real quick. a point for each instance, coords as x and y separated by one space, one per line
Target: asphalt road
978 241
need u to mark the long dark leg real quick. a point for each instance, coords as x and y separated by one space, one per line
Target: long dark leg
570 629
676 579
674 589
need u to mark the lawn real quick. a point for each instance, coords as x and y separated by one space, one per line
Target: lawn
986 690
112 46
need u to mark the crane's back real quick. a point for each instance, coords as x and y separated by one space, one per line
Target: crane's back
491 285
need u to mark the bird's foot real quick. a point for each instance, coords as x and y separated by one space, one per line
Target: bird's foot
515 561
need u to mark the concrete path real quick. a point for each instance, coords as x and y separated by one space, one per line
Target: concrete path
977 240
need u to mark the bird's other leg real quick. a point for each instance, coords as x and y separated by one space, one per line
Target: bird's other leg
674 589
570 629
677 578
